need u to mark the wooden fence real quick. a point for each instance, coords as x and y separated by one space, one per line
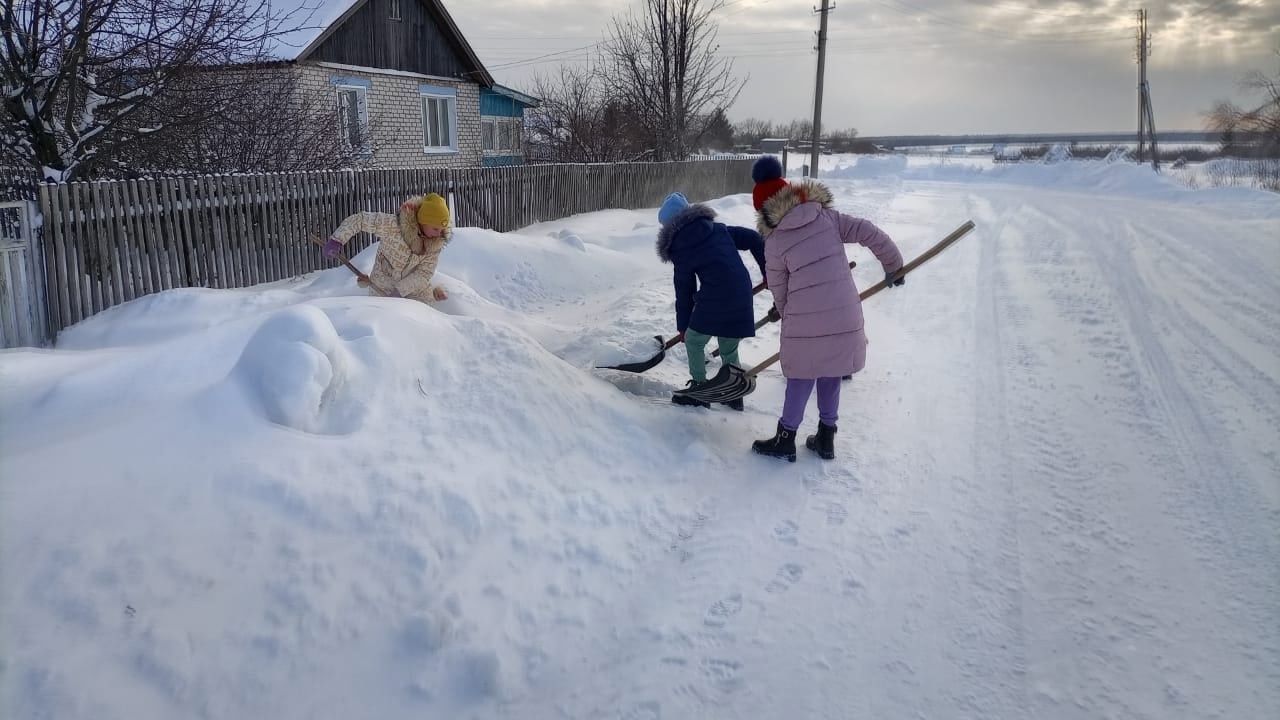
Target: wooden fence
109 242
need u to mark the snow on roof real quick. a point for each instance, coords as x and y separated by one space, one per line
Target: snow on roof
309 18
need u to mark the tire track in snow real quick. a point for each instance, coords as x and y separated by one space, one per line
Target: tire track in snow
992 415
1146 411
1078 658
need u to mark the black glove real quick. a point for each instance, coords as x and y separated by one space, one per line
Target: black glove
774 315
890 280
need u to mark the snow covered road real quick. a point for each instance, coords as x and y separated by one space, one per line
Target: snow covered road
1057 492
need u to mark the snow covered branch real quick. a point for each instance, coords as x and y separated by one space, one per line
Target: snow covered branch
74 73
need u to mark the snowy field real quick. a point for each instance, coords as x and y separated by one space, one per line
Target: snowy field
1057 492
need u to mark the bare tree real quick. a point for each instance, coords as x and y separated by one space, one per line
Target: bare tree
576 122
751 131
73 72
663 66
1251 131
257 118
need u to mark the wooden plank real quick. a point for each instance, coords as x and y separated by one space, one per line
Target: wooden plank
114 207
231 237
277 262
137 238
232 203
68 296
252 240
85 259
169 220
156 246
80 259
310 217
166 257
11 299
208 220
112 285
86 247
54 307
279 236
193 218
140 242
180 229
297 233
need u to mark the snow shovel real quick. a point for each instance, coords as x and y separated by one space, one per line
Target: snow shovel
359 275
663 347
732 383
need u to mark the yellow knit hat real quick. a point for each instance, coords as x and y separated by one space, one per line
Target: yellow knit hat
433 211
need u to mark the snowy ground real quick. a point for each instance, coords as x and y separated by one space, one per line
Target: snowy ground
1057 492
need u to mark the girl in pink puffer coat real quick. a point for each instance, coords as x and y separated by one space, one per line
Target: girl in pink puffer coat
822 328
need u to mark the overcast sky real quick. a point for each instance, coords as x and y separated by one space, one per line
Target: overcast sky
932 66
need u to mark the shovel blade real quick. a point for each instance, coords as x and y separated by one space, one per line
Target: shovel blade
639 367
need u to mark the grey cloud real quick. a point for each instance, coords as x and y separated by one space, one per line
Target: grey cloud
934 65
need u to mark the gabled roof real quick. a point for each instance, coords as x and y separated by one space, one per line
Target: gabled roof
318 19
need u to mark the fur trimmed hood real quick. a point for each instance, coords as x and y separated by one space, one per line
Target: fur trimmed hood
682 220
408 219
789 198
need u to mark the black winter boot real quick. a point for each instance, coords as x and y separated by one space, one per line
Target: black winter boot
735 404
781 445
682 400
824 443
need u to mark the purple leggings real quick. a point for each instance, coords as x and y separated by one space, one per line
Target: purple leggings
798 392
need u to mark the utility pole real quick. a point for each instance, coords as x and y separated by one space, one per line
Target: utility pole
1146 117
817 95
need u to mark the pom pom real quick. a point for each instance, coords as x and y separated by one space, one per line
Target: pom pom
766 168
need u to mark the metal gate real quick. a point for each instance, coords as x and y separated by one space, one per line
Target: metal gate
23 318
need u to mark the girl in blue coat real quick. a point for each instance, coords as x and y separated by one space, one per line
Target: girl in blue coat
713 287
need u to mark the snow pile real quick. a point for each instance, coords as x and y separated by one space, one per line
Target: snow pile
1059 153
297 501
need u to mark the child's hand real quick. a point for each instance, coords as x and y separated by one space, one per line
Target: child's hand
680 337
891 281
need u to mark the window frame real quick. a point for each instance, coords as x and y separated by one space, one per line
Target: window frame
489 135
360 87
449 97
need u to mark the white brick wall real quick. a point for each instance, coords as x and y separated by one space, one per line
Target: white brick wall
395 115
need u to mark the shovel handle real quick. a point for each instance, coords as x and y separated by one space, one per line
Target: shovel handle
924 257
355 270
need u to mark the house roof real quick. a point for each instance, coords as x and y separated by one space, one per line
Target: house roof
526 100
316 20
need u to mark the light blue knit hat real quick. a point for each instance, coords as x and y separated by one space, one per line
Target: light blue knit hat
671 207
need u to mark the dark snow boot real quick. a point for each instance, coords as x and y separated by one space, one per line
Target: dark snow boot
824 443
781 445
685 400
734 404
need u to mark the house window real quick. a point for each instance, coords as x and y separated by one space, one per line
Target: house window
394 9
488 134
353 116
505 135
439 119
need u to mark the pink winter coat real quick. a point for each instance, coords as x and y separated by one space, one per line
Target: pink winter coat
809 277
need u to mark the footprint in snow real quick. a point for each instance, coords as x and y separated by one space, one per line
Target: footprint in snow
721 610
787 576
786 532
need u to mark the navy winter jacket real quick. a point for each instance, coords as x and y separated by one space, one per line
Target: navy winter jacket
713 287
